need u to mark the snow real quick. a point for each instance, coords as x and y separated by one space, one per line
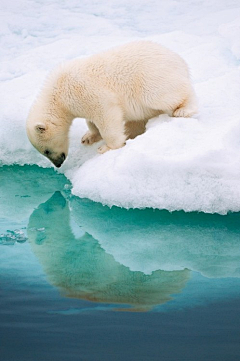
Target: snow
189 164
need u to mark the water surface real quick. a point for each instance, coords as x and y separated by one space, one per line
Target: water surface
80 281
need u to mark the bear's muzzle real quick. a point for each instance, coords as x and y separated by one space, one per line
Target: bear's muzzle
59 160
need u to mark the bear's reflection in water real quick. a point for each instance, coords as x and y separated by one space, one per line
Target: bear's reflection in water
80 268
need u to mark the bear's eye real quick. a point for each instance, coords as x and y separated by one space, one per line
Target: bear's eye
47 152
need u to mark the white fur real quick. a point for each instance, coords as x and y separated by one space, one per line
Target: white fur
119 87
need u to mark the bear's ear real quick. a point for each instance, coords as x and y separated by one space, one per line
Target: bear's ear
40 128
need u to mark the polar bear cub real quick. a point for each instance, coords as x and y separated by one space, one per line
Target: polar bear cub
112 90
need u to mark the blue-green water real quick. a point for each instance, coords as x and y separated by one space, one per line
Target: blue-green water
80 281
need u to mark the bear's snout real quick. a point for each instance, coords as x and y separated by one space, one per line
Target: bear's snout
59 160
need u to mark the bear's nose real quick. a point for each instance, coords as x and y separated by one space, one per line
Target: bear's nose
59 161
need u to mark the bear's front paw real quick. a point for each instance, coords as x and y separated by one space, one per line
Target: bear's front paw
90 138
103 149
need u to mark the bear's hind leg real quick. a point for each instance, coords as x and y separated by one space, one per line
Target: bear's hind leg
187 108
92 136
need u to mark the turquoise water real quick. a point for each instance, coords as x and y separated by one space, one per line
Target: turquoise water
80 281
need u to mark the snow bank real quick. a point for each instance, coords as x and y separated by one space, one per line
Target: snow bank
189 164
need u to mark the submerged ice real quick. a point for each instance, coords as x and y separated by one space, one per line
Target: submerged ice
11 237
178 164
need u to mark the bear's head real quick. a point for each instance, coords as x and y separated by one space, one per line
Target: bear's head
49 119
49 139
